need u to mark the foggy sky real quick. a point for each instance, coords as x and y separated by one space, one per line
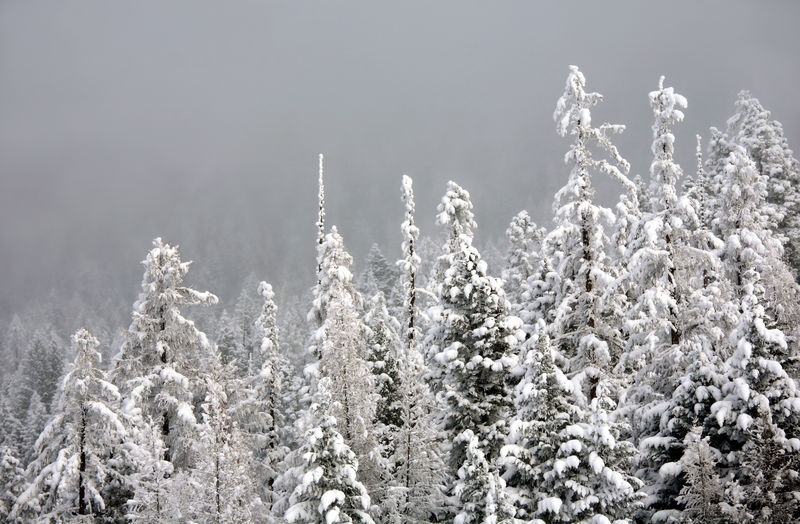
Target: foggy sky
201 121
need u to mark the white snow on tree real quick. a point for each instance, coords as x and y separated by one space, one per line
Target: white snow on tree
479 489
472 341
12 480
523 260
763 139
586 327
416 462
159 361
224 469
73 460
329 490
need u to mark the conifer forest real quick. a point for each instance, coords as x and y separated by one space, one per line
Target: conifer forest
635 361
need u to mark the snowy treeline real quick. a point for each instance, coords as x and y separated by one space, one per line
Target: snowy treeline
634 364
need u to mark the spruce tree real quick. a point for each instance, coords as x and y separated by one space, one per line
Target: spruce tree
586 324
72 465
472 341
158 362
329 490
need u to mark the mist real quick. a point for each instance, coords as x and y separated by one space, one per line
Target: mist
201 122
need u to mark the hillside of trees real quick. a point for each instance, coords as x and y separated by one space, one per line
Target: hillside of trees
629 364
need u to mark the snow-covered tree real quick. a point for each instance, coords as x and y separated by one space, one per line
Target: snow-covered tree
586 325
416 461
384 355
763 139
158 362
545 407
523 260
152 500
652 357
321 214
72 463
261 412
224 468
12 481
329 490
563 460
472 341
479 489
703 495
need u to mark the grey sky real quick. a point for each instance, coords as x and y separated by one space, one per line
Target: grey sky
201 121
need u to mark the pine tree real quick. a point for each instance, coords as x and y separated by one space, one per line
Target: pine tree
653 354
12 480
263 416
763 139
473 339
545 407
758 391
479 489
72 453
586 324
416 462
704 493
563 461
151 501
329 490
224 470
384 355
523 259
158 362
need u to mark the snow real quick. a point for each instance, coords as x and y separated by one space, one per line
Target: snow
549 505
331 497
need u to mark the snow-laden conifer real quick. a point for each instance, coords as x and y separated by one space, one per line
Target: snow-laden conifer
480 491
12 481
764 141
587 319
472 341
329 490
73 463
523 259
159 360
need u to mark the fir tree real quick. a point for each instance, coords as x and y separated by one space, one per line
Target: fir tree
72 462
329 490
158 362
472 340
12 480
586 324
479 489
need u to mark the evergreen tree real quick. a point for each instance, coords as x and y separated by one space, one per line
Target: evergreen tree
472 340
416 462
263 417
329 490
586 324
224 471
72 466
545 407
383 354
480 490
763 139
12 481
523 259
158 362
563 461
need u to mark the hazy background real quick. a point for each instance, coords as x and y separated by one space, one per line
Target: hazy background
201 121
